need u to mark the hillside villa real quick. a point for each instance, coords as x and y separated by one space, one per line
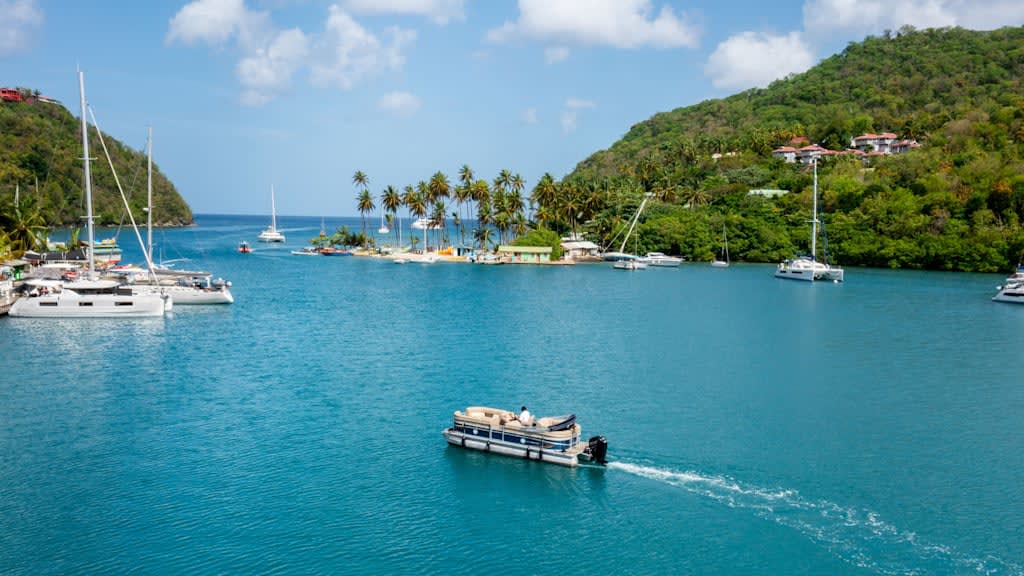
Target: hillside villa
865 147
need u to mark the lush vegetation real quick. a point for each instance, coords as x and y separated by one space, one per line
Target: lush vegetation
956 203
40 151
497 208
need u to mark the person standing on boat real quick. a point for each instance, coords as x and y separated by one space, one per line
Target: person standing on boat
524 416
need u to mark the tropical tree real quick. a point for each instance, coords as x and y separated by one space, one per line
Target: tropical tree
483 237
365 206
439 189
23 223
390 200
463 193
361 180
418 208
544 195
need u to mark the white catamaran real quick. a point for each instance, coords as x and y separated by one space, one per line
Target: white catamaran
270 233
87 297
806 267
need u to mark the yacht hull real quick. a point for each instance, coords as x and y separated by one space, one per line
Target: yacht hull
68 304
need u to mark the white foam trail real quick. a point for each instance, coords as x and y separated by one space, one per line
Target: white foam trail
859 537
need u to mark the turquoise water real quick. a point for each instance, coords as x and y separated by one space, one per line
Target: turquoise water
756 426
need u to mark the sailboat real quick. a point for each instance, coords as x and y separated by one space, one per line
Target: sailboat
725 252
186 287
270 233
383 227
805 266
621 255
87 297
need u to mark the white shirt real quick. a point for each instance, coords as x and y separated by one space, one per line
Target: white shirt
524 417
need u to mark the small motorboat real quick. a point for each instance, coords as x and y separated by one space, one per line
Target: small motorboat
244 248
555 439
306 251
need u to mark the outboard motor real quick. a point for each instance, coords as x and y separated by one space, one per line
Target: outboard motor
597 446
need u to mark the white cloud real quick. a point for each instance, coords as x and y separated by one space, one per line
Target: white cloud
530 116
400 103
18 25
211 21
440 11
347 52
618 23
343 55
570 114
824 17
753 59
269 71
555 54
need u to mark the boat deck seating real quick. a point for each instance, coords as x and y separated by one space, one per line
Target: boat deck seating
496 418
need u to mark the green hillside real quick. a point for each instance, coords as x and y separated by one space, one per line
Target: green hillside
40 151
955 203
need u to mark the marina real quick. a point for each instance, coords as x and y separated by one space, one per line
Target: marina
267 458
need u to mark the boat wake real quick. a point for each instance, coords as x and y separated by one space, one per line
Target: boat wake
857 536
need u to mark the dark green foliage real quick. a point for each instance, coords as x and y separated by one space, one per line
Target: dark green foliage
542 237
40 151
956 203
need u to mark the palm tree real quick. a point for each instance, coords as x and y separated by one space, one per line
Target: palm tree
516 185
365 206
439 190
483 217
463 193
418 208
23 223
390 200
423 191
544 195
363 181
483 237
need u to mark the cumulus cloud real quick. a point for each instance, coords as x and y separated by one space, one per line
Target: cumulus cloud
617 23
342 55
20 21
555 54
347 52
400 103
570 114
825 17
530 116
753 59
211 21
440 11
268 71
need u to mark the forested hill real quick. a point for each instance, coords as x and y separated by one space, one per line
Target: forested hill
951 199
913 83
40 151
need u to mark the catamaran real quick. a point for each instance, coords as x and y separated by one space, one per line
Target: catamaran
270 233
88 297
806 267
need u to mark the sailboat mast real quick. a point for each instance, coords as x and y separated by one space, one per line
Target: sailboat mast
632 224
273 210
149 193
814 217
86 176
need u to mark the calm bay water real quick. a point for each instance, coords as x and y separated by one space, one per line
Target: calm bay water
756 426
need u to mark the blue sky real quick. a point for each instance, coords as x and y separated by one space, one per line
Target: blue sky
242 94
